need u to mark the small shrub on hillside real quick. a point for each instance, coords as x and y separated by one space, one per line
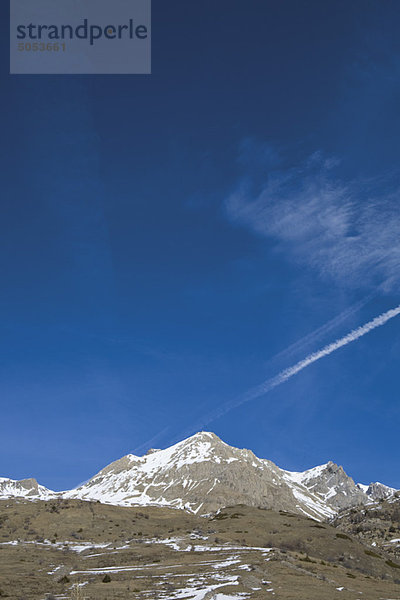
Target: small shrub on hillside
371 553
220 517
343 536
307 559
392 564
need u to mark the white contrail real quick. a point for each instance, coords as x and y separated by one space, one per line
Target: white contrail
283 376
347 339
313 336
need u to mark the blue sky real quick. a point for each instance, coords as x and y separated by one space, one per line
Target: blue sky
165 238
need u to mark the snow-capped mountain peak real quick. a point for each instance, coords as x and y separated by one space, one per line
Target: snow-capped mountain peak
331 484
203 474
377 491
24 488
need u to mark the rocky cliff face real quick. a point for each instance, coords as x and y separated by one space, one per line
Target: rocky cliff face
332 485
203 474
379 491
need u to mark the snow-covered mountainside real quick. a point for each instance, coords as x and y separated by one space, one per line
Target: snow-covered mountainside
377 491
25 488
203 474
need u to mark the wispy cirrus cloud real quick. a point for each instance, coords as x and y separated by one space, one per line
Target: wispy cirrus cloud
347 231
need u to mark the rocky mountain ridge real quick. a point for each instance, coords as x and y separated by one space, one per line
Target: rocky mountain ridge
24 488
203 474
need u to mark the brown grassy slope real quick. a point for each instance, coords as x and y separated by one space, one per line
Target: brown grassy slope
152 553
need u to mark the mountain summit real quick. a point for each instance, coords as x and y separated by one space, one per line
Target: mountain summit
203 474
